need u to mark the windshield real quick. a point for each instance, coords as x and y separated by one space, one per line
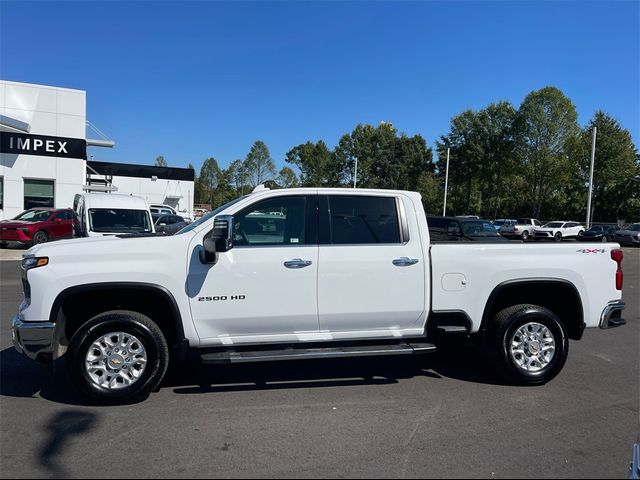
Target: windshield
209 216
635 227
114 220
499 223
596 229
554 225
478 229
34 216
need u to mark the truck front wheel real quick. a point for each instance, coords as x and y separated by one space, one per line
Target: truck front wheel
531 344
117 357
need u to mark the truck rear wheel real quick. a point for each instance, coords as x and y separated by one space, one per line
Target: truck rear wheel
117 357
531 344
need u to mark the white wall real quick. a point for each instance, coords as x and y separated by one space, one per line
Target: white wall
158 191
49 111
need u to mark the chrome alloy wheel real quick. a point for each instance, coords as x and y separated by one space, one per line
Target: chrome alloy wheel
116 360
533 347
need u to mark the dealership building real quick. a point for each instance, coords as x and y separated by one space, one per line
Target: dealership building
43 156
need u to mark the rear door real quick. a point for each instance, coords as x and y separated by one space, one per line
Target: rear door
371 267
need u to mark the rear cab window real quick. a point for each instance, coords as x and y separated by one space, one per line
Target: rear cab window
361 220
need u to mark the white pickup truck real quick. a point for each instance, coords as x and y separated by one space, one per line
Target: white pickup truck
305 273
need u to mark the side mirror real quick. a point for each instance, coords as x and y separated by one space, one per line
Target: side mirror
219 240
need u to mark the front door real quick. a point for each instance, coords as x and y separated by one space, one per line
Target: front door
265 287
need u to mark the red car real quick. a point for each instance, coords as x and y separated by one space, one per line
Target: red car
38 225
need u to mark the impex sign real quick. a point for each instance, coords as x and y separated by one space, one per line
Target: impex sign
25 144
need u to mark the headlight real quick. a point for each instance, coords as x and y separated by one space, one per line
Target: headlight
34 262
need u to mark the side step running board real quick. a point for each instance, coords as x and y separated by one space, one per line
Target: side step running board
315 353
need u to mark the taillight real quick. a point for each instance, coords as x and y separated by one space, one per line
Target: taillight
617 256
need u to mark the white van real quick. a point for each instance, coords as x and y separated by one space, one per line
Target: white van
102 214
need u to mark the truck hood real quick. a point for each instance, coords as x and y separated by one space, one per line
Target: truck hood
116 246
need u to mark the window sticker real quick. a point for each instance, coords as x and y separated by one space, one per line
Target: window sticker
295 240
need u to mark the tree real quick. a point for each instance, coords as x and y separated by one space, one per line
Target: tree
258 165
385 159
208 180
160 161
546 124
615 193
287 178
317 164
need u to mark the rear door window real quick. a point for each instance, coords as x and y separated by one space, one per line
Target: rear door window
363 220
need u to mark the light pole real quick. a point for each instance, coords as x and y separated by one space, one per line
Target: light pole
355 173
593 160
446 185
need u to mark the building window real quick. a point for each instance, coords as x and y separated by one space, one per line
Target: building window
38 193
1 193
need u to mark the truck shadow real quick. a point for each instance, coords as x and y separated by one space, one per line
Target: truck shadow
21 378
464 363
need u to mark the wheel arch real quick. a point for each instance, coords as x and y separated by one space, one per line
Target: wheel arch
560 296
76 305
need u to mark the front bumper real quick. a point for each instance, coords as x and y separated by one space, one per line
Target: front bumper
612 315
14 235
34 339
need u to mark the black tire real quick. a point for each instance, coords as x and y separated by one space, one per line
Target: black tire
145 330
4 245
505 325
557 237
40 237
525 235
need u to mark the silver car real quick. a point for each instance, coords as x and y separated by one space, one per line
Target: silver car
629 236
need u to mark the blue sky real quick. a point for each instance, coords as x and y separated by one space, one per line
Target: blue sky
190 80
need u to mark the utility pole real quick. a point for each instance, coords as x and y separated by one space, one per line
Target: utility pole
593 160
446 185
355 174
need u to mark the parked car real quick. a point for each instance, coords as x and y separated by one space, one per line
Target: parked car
359 275
101 214
558 231
168 224
629 235
155 208
523 229
500 222
599 233
448 229
37 225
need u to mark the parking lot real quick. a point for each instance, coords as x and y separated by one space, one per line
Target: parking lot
444 415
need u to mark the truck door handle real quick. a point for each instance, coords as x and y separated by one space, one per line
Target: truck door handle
298 263
405 262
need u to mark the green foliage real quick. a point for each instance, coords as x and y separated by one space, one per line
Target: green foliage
546 124
316 163
505 162
385 159
258 165
160 161
287 178
616 193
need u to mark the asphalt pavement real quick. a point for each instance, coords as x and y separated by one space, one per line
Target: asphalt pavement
444 415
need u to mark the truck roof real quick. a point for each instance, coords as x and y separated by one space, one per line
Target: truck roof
115 200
